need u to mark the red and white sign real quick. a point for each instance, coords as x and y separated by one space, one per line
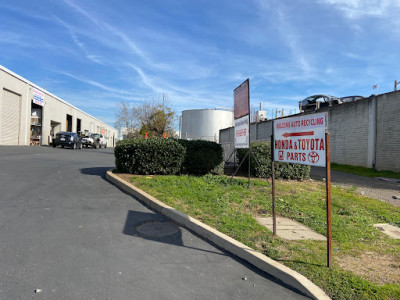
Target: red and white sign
241 113
242 134
241 100
38 97
301 140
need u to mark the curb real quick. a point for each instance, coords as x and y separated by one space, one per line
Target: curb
223 241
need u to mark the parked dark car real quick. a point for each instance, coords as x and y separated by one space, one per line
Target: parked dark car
317 101
351 98
67 139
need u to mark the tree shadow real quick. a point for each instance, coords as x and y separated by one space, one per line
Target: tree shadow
96 171
105 151
135 219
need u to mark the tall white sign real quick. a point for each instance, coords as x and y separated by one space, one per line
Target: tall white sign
242 134
301 140
241 113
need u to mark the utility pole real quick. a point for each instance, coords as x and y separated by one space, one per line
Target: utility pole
395 84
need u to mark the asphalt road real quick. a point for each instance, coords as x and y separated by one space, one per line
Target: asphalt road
68 232
382 189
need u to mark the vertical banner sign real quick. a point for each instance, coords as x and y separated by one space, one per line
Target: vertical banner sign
38 97
301 140
241 97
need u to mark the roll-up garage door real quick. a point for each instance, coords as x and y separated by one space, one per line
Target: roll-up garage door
10 107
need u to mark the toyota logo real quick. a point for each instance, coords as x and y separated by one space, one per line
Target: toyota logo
313 157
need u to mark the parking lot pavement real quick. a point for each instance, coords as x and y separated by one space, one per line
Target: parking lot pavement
69 234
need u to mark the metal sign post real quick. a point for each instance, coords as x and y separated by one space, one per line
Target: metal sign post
273 188
328 201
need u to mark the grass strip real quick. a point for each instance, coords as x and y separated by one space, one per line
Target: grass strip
230 207
362 171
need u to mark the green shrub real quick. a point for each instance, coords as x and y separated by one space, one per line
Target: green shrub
219 169
262 151
149 156
202 157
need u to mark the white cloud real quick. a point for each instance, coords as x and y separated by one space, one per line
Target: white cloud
298 66
357 56
83 12
74 36
136 49
356 9
146 80
125 38
95 83
293 40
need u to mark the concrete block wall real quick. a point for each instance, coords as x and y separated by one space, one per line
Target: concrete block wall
258 132
363 133
348 129
388 132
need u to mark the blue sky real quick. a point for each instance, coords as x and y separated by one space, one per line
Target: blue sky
94 54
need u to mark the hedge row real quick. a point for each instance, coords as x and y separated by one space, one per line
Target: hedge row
202 157
149 156
262 151
168 156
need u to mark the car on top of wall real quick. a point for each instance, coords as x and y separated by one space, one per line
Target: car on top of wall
351 98
318 101
67 139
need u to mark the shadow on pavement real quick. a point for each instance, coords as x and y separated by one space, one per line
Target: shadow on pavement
105 151
156 227
97 171
136 219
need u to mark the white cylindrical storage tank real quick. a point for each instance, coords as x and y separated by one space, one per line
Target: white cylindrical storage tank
205 124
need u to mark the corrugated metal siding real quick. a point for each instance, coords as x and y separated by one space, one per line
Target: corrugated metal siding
10 118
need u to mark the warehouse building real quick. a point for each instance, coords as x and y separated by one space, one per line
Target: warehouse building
30 115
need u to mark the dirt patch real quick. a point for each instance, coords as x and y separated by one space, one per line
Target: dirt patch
374 267
125 176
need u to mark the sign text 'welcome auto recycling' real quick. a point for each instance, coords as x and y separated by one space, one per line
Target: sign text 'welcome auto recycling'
301 140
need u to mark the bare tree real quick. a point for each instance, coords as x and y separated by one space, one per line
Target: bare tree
125 118
153 116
